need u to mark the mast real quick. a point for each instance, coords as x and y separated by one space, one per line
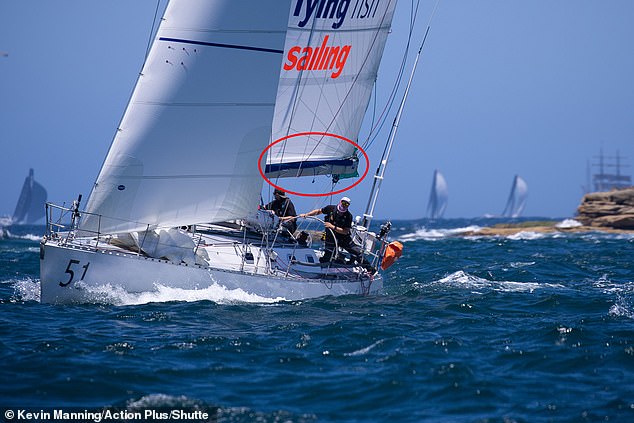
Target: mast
606 179
380 171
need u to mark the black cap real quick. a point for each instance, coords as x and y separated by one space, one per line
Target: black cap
279 192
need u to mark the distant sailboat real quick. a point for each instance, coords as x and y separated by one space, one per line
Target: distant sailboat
30 206
517 198
438 196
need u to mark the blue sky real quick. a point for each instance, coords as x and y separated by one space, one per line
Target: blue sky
504 87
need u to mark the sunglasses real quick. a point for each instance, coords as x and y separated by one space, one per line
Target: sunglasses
345 203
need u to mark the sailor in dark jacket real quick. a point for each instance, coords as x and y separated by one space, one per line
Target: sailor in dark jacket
338 220
282 206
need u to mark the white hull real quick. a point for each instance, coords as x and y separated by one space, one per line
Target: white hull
71 273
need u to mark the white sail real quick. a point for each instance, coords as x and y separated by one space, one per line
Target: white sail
30 206
438 196
517 198
331 56
200 116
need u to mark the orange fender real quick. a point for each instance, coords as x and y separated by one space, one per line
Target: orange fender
392 252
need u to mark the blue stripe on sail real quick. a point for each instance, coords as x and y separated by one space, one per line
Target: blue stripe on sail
307 165
203 43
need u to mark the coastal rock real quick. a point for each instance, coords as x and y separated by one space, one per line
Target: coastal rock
610 212
613 209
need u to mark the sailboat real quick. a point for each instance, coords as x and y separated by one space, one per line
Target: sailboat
176 200
517 198
30 206
438 196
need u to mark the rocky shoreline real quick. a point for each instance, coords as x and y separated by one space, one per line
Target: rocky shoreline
613 209
611 212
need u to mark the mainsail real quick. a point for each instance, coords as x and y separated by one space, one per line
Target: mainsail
438 196
200 115
30 206
331 56
517 198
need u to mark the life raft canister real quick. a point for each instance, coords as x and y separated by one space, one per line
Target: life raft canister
392 252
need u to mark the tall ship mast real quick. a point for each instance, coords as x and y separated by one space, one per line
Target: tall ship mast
605 179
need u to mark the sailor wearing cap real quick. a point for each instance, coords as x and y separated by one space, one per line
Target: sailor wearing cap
282 206
338 221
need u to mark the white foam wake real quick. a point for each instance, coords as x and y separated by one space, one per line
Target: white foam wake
29 290
216 293
10 235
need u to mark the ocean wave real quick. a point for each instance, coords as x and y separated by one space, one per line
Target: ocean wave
608 287
527 235
194 409
520 264
10 235
163 401
432 234
31 237
365 350
621 310
465 280
623 294
568 223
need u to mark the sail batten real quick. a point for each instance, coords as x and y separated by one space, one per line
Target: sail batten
221 45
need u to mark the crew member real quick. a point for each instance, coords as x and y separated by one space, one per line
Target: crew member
282 207
338 220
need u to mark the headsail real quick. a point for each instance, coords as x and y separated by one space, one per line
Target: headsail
438 196
200 115
517 198
30 206
331 57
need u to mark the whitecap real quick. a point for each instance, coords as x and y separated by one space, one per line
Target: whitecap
31 237
526 235
463 279
610 287
432 234
519 264
162 401
619 310
568 223
365 350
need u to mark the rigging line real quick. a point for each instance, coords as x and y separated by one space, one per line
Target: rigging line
374 106
380 172
376 34
390 102
374 40
149 41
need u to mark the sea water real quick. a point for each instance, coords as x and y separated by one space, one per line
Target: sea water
526 328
